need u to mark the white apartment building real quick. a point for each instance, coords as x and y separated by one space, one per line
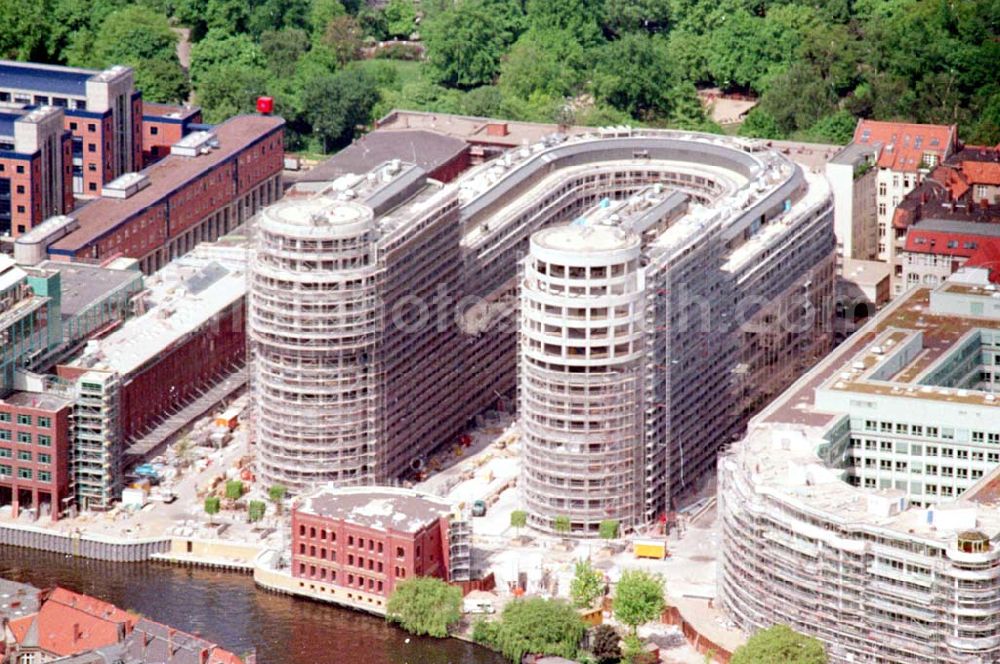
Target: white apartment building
727 246
863 506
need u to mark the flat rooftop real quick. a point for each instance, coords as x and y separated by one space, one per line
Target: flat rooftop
379 508
865 273
40 400
169 111
427 149
182 297
102 215
83 285
51 79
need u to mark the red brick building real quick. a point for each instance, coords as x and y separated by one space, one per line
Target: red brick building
36 156
35 445
366 539
163 125
213 183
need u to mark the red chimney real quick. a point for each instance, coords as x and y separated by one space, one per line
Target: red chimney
265 105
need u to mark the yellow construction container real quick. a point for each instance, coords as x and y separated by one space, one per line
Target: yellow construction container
650 548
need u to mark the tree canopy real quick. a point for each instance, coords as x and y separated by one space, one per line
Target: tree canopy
638 598
535 625
425 606
780 645
587 584
816 67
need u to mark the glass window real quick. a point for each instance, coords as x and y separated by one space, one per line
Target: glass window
4 417
5 453
44 458
45 422
44 476
44 441
24 437
24 419
23 455
5 471
24 473
4 434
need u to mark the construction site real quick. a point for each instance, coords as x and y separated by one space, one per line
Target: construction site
861 508
387 303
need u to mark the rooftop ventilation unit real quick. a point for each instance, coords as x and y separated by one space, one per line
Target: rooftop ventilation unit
195 143
125 185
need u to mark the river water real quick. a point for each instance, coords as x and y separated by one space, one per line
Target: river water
228 609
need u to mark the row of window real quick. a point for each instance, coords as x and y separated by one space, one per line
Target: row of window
25 437
24 455
24 473
352 581
945 433
26 420
914 449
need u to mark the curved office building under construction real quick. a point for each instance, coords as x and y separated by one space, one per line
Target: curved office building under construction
695 281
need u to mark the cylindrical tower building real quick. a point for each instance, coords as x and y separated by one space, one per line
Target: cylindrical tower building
313 323
580 383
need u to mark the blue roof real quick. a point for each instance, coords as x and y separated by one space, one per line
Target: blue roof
52 81
7 123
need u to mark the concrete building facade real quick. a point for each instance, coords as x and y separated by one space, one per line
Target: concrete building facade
862 506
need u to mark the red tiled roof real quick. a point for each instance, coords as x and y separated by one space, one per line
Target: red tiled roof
70 623
943 243
982 172
987 256
904 144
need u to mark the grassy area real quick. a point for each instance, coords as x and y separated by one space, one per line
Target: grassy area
406 71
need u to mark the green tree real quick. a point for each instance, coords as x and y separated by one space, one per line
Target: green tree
220 49
550 63
638 598
634 74
838 128
688 52
587 585
320 14
425 605
465 43
344 37
25 30
483 101
336 104
282 50
761 124
212 506
400 18
780 645
579 18
686 110
536 625
229 90
132 35
162 81
256 510
608 529
632 15
234 489
605 644
277 494
562 525
634 651
518 519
